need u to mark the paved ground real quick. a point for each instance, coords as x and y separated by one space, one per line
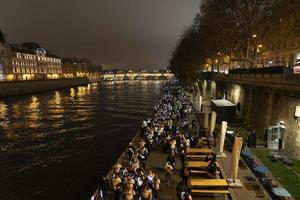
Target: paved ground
251 189
157 159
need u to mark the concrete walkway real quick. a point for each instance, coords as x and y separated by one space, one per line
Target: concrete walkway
156 162
251 189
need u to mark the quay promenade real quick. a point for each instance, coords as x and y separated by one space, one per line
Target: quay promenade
250 190
156 163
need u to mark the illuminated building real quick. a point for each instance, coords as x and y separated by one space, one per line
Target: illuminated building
27 61
5 56
30 61
75 67
280 53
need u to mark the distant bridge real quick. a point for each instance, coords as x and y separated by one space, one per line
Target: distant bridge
136 76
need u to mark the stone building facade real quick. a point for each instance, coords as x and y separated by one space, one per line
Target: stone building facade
262 107
5 56
27 61
76 67
284 53
30 61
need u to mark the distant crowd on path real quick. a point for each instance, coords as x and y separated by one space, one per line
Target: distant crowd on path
131 180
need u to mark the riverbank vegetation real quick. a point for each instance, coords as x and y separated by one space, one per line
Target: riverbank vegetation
288 176
227 32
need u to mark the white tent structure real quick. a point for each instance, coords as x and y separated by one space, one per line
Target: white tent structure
200 102
221 154
236 152
212 122
206 120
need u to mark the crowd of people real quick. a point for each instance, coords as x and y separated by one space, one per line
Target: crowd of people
169 129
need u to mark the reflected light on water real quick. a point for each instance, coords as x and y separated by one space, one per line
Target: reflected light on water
3 114
34 112
88 87
72 92
57 99
57 105
81 91
39 145
72 95
3 110
16 111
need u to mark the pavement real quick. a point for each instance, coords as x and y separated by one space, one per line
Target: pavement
156 162
251 189
157 158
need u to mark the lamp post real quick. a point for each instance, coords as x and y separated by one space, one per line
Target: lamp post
247 48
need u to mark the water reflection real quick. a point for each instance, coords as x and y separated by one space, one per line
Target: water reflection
33 110
81 91
3 114
72 92
55 105
57 99
53 139
16 113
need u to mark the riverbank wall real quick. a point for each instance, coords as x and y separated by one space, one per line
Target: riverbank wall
12 88
122 159
261 107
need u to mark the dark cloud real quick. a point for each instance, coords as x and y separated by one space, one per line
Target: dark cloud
110 32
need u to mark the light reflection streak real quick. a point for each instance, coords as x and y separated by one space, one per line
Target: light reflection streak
16 113
34 112
81 92
3 114
58 108
72 95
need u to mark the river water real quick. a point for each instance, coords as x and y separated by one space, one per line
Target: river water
58 144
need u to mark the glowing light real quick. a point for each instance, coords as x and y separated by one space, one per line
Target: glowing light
3 115
72 92
81 91
3 110
52 76
34 112
16 110
27 76
236 93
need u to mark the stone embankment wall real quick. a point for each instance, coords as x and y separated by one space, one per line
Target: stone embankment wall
10 88
262 107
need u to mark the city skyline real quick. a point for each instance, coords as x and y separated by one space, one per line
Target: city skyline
137 34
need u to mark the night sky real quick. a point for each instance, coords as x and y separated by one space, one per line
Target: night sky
135 33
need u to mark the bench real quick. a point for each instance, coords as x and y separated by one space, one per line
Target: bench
203 151
202 172
199 191
196 156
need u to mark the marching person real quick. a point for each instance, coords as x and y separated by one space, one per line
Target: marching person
169 172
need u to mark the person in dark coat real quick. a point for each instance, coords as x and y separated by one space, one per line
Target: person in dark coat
104 188
194 125
254 137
